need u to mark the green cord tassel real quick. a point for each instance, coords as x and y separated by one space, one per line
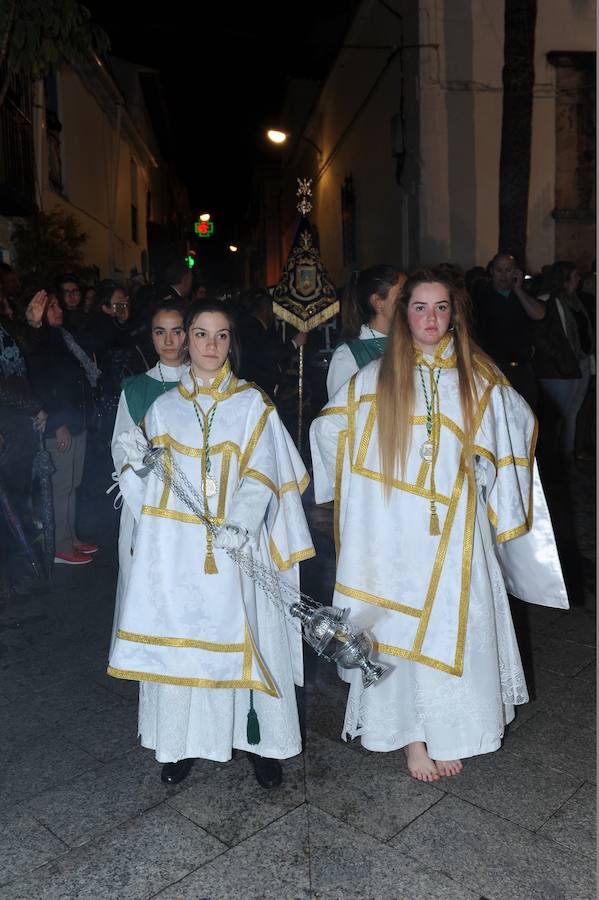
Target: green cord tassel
253 729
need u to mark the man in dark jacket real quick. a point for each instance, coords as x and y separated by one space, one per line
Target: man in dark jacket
263 353
503 319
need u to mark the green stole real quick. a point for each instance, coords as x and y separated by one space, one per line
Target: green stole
141 391
365 351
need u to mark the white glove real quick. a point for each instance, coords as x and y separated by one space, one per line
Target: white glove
230 536
135 446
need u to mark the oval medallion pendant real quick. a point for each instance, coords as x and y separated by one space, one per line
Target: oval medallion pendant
210 486
426 451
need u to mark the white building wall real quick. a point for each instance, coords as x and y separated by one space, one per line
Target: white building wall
93 158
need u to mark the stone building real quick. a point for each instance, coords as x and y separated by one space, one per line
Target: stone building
85 140
403 139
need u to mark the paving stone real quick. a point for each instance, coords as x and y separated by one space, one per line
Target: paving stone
562 657
558 743
31 767
231 804
105 736
574 825
132 862
575 702
271 865
512 787
24 844
349 865
370 791
579 626
96 801
589 673
501 860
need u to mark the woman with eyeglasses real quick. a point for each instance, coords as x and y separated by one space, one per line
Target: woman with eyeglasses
116 351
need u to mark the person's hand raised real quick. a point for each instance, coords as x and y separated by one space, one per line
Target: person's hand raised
35 309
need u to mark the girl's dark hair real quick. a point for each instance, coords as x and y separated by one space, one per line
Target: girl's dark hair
356 309
168 304
216 306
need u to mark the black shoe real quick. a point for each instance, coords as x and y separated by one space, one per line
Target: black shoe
173 773
268 772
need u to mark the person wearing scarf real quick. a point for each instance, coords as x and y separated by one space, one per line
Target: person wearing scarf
62 376
428 455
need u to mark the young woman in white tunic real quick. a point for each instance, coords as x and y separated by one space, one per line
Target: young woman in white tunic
434 449
138 394
212 651
366 313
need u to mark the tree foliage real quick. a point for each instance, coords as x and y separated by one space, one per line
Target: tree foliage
48 245
37 35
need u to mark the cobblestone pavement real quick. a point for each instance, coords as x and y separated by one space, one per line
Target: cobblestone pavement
84 814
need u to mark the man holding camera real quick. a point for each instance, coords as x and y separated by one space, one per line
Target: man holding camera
503 320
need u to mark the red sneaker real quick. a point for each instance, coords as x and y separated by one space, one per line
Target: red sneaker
72 559
86 548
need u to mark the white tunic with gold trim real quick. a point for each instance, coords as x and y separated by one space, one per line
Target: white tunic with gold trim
436 605
183 625
129 483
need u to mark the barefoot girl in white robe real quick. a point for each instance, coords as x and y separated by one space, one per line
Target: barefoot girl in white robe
429 457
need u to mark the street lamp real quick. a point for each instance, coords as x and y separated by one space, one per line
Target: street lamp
279 137
233 248
205 217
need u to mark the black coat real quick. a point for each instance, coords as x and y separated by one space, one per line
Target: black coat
57 380
263 354
554 356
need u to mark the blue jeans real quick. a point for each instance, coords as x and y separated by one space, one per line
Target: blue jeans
562 399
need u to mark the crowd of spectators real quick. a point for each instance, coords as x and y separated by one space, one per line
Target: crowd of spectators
65 351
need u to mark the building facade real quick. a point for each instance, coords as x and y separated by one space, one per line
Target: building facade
91 151
403 141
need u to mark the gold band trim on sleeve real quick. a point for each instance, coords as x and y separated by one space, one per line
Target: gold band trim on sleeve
390 650
297 557
191 643
295 486
332 411
512 461
256 435
377 601
263 479
188 518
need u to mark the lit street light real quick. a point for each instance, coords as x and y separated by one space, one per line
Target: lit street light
277 137
233 248
204 217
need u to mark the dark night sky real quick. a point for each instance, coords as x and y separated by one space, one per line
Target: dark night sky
224 69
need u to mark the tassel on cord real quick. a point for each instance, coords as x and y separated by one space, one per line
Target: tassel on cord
253 725
434 527
209 560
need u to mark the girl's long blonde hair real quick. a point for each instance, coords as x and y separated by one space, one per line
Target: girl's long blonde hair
396 394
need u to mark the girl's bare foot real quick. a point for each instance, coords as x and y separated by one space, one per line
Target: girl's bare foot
420 765
449 766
